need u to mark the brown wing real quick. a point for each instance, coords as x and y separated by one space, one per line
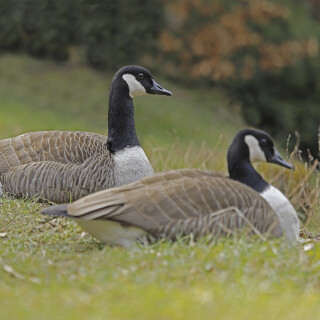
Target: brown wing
56 165
58 182
179 202
58 146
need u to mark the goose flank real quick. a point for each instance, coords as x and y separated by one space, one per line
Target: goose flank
185 201
61 166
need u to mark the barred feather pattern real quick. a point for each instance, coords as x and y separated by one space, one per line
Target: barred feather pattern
56 165
177 203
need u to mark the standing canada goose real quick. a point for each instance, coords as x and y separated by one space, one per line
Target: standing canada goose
64 165
185 201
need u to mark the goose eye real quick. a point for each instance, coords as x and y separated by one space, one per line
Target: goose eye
140 75
263 142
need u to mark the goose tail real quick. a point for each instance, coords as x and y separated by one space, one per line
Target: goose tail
58 211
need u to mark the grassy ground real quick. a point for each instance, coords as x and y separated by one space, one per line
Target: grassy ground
49 269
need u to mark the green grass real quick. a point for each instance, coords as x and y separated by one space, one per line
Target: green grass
68 275
50 269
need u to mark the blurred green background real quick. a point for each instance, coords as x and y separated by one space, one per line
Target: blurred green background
256 59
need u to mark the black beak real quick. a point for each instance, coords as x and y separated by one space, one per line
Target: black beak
277 159
157 89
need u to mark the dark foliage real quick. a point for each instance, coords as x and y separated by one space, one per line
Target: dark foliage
265 53
112 32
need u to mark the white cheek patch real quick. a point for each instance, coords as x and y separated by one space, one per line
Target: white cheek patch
136 89
256 154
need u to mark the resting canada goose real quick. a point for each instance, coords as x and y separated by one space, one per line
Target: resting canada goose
185 201
64 165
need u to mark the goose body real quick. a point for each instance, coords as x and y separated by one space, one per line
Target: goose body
181 202
62 165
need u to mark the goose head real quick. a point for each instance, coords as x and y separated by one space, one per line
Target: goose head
252 145
138 81
255 146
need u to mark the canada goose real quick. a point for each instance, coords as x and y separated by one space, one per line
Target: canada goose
63 165
185 201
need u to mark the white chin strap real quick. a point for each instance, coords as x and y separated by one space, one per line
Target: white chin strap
256 154
136 89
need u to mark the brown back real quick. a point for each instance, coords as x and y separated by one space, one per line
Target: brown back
179 202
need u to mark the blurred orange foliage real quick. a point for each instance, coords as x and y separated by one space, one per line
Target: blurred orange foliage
207 37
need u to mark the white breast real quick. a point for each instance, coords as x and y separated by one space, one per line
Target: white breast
131 164
287 215
112 232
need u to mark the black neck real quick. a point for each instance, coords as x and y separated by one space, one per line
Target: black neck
121 126
244 172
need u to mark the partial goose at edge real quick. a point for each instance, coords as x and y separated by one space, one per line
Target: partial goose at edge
60 166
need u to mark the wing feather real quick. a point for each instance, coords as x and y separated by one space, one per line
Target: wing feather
59 182
152 205
60 146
